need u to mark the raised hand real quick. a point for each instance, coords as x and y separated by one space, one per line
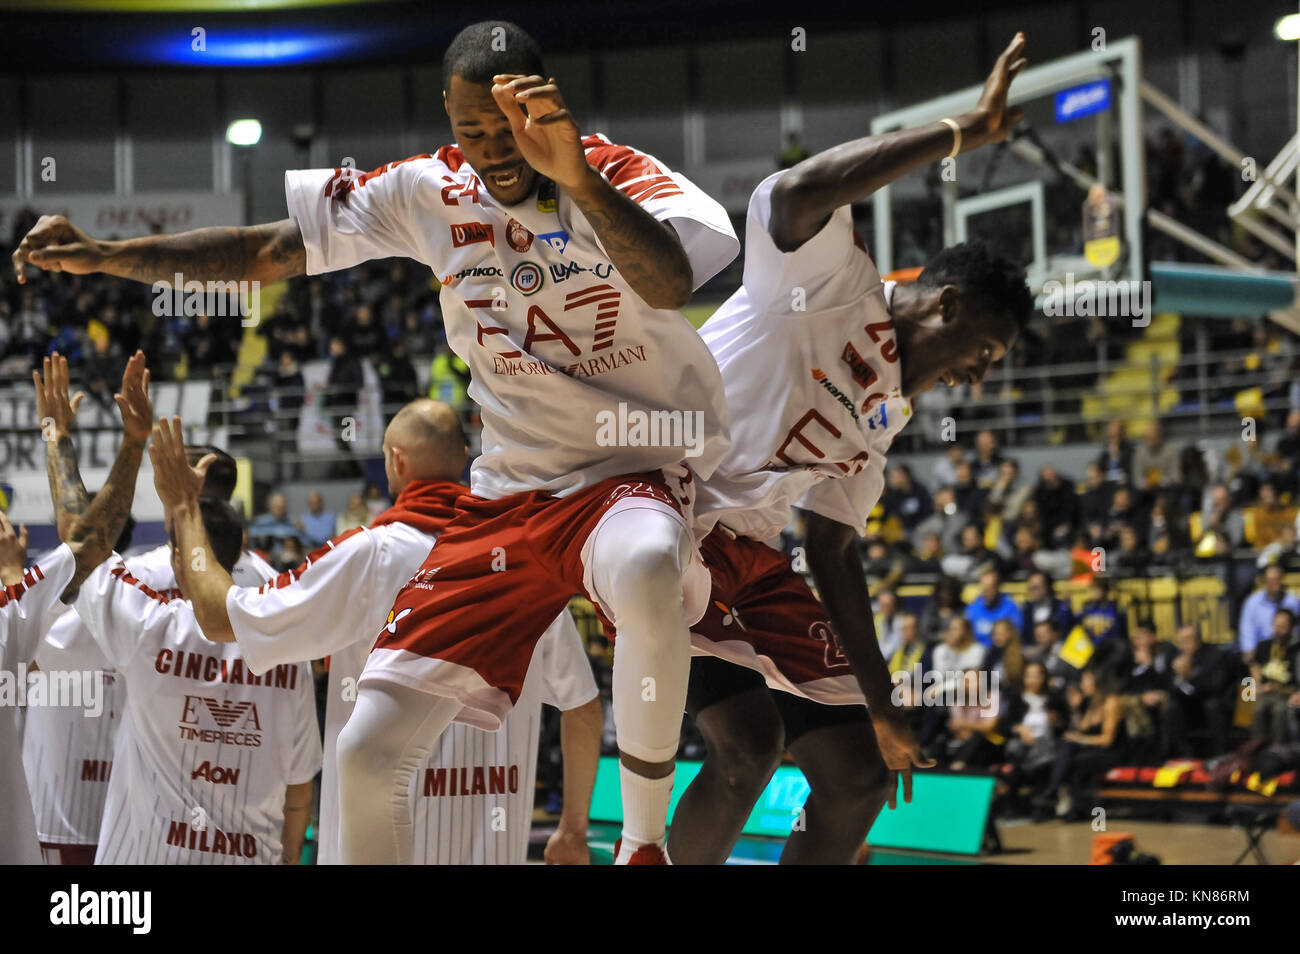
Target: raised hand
996 119
547 135
133 401
56 245
177 483
53 406
13 552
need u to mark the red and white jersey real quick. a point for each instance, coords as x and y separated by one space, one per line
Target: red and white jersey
473 797
810 363
207 747
26 611
568 363
316 610
68 756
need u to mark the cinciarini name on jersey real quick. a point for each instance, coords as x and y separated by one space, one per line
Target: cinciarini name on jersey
205 668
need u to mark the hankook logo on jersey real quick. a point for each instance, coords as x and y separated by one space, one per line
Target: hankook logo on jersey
527 278
478 271
518 237
820 377
467 233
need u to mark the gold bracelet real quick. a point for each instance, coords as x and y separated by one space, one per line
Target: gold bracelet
956 136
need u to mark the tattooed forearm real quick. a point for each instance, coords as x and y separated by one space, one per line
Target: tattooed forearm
94 532
647 252
66 489
264 253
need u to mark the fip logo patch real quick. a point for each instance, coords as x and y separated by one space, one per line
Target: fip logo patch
527 278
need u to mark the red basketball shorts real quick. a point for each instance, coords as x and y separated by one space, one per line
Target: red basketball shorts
762 615
466 624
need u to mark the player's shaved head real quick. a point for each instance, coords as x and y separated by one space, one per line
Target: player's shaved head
424 441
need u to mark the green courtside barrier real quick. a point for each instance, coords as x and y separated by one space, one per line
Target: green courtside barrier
948 813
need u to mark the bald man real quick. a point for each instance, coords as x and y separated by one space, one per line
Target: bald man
335 604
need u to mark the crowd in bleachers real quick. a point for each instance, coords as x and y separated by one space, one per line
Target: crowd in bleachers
1077 689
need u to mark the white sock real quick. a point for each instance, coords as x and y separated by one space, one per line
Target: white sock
645 809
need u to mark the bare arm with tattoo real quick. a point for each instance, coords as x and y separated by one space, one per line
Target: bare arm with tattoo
261 253
646 252
90 528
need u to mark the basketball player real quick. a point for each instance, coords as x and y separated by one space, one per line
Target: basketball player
318 609
30 601
821 361
68 757
563 262
212 764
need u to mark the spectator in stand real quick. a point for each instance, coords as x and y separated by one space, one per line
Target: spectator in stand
1256 621
968 495
317 524
1116 458
888 619
364 337
972 724
1124 512
1149 679
397 378
1043 604
1094 743
1156 462
416 335
318 310
1276 671
946 522
1006 656
944 606
356 514
1202 677
907 499
957 654
987 462
346 378
1270 516
1058 507
1128 556
1033 717
910 651
289 555
883 566
208 347
268 530
448 377
1220 515
925 559
375 500
945 470
1281 551
103 367
1047 647
972 557
1023 555
990 606
1008 492
1103 621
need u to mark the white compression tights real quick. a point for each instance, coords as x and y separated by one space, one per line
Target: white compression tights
637 561
385 741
